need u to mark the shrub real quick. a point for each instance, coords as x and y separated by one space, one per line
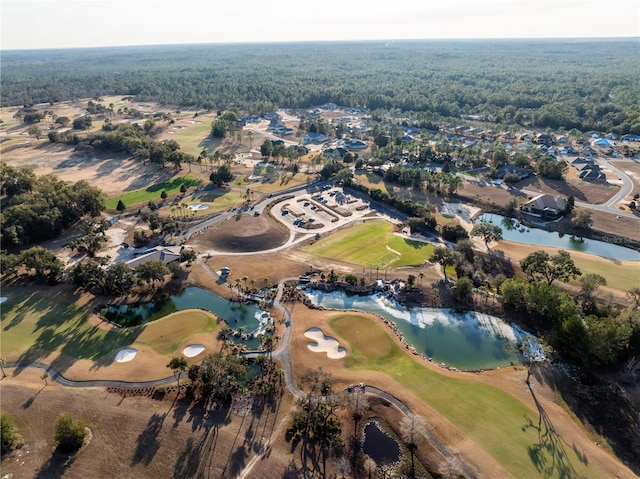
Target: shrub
69 434
8 433
454 233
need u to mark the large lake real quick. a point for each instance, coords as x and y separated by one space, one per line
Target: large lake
512 230
469 340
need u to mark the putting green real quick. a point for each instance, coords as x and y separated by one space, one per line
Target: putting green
519 438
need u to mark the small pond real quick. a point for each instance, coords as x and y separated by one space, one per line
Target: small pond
468 340
514 231
245 317
379 446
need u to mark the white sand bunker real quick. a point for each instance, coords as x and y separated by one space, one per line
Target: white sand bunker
198 207
3 299
324 344
193 350
125 355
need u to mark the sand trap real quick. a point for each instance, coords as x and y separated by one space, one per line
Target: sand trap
125 355
3 299
198 206
193 350
324 344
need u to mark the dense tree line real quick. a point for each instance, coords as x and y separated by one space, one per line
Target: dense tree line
40 208
569 84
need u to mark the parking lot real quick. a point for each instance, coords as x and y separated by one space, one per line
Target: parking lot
323 210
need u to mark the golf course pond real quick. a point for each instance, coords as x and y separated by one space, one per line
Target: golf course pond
379 446
513 230
468 340
246 319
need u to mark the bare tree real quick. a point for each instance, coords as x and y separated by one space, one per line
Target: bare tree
451 468
412 427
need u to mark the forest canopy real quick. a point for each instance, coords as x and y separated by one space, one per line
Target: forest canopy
582 84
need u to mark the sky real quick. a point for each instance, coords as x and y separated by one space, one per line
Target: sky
36 24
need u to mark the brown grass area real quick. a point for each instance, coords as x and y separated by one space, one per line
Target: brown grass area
139 436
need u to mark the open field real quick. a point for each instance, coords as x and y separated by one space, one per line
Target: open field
141 437
372 244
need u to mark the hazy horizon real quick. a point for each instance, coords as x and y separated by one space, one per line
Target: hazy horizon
63 24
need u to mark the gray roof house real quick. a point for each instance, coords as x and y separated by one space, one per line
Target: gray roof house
594 174
166 254
545 206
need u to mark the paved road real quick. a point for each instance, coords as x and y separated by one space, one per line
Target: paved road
57 376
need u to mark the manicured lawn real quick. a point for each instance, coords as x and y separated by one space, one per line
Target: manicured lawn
152 192
506 428
621 275
372 244
195 137
33 325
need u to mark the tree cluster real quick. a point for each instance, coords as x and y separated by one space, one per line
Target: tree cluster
40 208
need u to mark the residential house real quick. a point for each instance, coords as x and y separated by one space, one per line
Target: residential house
544 139
592 174
611 136
351 144
545 206
314 138
630 137
562 139
334 153
522 173
166 254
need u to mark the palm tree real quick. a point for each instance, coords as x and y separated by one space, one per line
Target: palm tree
44 378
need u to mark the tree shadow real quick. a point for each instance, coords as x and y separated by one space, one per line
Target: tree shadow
549 455
198 457
29 402
148 444
56 466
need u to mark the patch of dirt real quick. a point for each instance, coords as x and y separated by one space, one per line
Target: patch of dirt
243 233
